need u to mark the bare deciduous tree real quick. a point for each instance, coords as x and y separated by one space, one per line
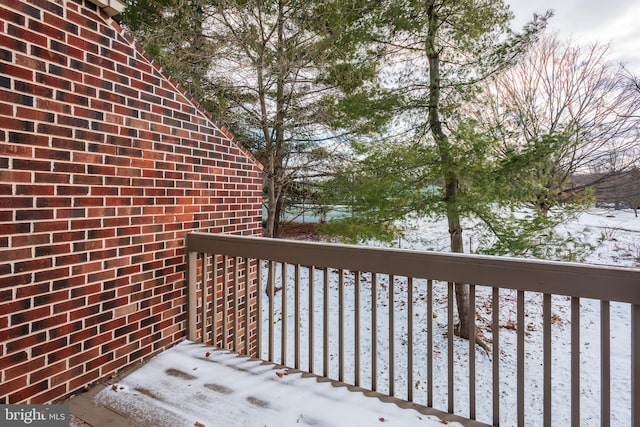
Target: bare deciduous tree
570 110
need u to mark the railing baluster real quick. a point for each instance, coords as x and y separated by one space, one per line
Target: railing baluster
520 358
495 332
247 300
325 324
259 308
391 335
472 352
296 309
356 325
410 339
450 379
575 361
546 345
635 364
235 296
225 302
430 343
271 279
374 333
214 300
340 325
192 296
605 363
283 312
203 272
311 316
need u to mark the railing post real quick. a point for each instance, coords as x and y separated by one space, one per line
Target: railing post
635 364
192 303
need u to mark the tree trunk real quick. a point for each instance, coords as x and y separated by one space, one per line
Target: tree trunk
271 205
277 230
448 171
461 289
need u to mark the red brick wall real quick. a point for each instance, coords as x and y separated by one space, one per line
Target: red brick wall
104 166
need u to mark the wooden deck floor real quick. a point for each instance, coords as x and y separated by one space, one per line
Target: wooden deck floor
195 385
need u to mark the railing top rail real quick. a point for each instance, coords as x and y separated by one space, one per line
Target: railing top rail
560 278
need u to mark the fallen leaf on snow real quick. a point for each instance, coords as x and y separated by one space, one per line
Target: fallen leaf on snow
381 419
207 354
444 422
198 424
282 373
114 387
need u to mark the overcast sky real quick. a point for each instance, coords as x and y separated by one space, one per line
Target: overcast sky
609 21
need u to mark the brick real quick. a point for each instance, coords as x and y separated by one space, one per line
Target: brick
16 254
51 105
53 202
53 249
57 82
17 124
52 178
52 274
72 98
67 144
15 228
35 190
30 240
34 215
33 89
68 236
70 190
7 334
15 280
31 165
69 213
76 258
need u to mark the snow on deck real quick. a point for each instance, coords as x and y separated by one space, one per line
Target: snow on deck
194 385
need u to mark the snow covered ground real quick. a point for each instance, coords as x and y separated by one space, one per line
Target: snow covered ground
615 236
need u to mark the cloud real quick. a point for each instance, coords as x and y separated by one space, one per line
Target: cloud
616 22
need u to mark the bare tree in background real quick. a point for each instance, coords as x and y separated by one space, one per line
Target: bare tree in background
568 110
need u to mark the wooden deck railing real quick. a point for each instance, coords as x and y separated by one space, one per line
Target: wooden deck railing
365 316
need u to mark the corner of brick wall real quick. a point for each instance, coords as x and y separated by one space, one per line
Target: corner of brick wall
105 165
